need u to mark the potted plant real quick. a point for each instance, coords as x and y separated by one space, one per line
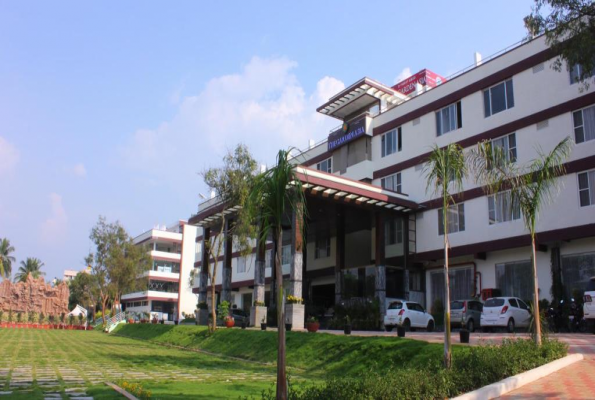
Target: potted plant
347 326
33 319
263 324
312 324
464 332
154 321
223 312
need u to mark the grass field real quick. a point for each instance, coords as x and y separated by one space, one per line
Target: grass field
68 364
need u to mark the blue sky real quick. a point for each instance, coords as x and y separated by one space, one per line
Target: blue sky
112 108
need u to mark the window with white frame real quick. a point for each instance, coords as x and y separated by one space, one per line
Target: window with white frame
502 208
393 231
323 246
449 118
392 182
325 166
576 72
586 188
268 259
584 124
506 147
455 219
391 142
498 98
286 255
241 264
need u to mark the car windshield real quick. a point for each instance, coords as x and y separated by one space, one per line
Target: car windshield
397 305
494 303
457 305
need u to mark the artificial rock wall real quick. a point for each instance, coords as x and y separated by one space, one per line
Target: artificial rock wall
34 295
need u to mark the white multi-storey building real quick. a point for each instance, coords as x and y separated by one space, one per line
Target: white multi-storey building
374 230
173 251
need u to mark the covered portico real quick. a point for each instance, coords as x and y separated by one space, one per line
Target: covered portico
357 238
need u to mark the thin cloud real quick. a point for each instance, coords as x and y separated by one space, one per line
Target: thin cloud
54 228
9 156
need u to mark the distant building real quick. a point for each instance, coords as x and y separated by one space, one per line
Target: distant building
69 274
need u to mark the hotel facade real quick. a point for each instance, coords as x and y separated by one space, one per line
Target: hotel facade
173 251
373 230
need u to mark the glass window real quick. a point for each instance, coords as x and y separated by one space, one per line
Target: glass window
268 259
448 119
393 231
325 166
575 73
392 182
323 246
460 284
502 208
513 303
522 305
498 98
395 305
506 147
455 219
494 303
241 263
584 124
512 279
286 255
391 142
586 188
577 270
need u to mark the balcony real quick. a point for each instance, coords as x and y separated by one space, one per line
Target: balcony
162 275
150 295
163 255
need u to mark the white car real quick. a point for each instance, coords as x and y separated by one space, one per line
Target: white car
407 314
508 312
589 301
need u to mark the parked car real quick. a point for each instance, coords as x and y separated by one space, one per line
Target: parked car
465 313
409 315
589 303
508 312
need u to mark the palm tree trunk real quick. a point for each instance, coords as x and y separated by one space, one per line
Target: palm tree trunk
447 355
536 315
281 377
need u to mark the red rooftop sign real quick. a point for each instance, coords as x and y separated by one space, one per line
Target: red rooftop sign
425 77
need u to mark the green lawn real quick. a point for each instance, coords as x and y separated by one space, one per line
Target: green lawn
36 363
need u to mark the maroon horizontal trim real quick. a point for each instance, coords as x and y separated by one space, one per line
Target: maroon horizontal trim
572 233
206 213
235 254
499 131
467 90
570 167
160 278
198 239
317 159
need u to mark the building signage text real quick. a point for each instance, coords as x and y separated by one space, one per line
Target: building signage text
346 134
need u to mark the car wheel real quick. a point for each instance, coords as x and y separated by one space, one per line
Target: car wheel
407 325
430 326
510 326
388 328
470 326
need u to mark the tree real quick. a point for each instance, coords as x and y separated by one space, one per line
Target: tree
276 192
117 264
6 259
531 186
445 170
31 266
82 291
569 28
232 183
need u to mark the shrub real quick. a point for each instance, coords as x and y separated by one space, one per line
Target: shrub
437 312
2 315
364 314
472 368
223 310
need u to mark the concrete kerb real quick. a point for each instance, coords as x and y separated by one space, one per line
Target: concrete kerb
514 382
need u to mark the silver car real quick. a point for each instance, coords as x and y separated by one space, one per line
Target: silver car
465 313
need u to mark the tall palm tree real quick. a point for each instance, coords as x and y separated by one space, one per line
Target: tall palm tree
30 266
445 170
532 186
6 259
275 193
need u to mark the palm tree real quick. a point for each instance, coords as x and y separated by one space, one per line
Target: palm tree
276 192
445 170
6 259
531 186
30 266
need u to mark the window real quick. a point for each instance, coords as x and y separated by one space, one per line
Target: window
512 278
513 303
391 142
502 208
323 246
455 219
584 124
576 71
392 182
449 118
268 259
325 166
393 231
241 266
506 147
586 188
577 270
286 255
498 98
460 284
